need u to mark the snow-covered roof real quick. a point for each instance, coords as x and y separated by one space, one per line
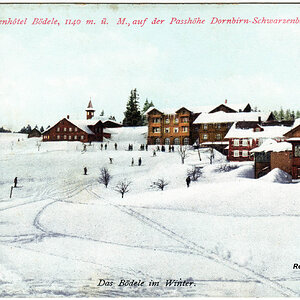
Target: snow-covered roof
223 117
274 146
83 124
268 132
295 139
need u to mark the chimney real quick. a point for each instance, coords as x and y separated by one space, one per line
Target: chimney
259 120
225 101
68 117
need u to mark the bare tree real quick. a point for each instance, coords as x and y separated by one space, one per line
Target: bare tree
182 150
159 184
105 177
194 173
123 187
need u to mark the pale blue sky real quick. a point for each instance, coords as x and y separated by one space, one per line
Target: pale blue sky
48 72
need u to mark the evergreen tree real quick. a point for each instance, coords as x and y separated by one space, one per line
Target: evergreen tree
133 116
102 113
147 105
281 114
287 115
298 114
41 129
112 118
2 129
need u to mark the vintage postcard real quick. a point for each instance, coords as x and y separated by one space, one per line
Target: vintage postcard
149 150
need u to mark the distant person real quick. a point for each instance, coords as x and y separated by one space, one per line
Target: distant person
188 181
140 161
116 146
105 147
101 146
132 162
85 170
15 181
110 160
146 147
154 152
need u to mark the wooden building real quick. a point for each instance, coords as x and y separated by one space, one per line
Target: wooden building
88 130
293 137
271 155
34 133
170 128
242 141
180 127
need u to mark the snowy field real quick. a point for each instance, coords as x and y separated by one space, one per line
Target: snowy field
62 231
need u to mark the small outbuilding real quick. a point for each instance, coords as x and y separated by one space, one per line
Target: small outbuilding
34 133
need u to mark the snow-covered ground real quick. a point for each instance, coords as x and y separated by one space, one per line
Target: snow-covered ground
62 231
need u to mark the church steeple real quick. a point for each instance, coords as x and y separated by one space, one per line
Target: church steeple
89 111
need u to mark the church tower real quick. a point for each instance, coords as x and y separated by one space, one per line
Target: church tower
90 111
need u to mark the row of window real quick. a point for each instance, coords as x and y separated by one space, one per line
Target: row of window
176 141
167 120
168 130
216 125
245 142
65 129
236 153
218 136
65 137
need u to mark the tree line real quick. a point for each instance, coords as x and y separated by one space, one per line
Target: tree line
287 114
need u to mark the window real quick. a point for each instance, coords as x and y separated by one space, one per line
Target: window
205 136
219 126
297 150
236 142
70 129
185 129
236 153
245 153
218 136
167 121
186 141
156 129
167 141
205 126
157 141
176 141
65 137
156 120
176 121
175 130
75 129
65 129
185 120
75 137
70 137
58 137
167 130
82 137
58 129
245 142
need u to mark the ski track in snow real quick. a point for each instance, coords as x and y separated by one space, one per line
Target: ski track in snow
191 247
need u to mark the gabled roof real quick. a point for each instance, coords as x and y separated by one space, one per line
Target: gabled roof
268 132
295 127
223 117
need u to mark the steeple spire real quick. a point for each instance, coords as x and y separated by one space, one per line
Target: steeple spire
90 110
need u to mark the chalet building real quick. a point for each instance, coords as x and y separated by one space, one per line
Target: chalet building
213 127
179 127
293 137
271 155
242 141
169 128
34 133
89 130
